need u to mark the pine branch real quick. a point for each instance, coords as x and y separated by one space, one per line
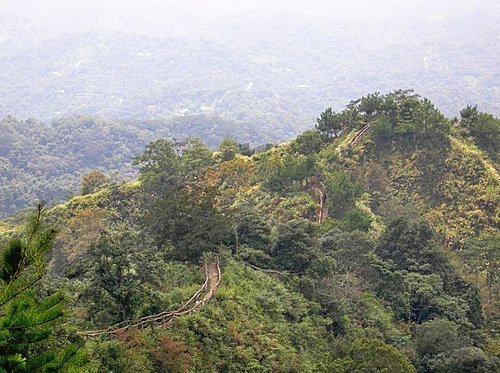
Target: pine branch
22 289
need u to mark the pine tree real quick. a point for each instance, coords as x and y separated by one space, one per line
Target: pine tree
26 323
330 124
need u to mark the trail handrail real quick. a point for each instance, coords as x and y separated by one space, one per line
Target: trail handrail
166 317
358 135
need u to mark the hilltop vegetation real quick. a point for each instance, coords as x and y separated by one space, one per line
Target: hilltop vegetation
48 160
340 252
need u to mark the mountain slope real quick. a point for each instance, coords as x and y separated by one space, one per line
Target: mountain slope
278 76
48 160
376 280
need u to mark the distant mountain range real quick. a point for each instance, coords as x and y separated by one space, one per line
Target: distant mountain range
273 73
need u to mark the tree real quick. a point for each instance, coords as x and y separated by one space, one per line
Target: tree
196 157
482 257
308 142
245 149
464 360
329 124
80 231
381 129
230 178
280 172
427 299
349 249
406 121
371 105
486 133
436 337
92 182
160 166
27 252
357 219
117 267
228 149
189 220
403 243
342 193
469 117
372 355
431 124
250 229
26 322
483 127
112 275
294 247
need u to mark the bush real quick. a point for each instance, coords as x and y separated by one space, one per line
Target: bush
357 219
465 360
382 130
342 193
372 355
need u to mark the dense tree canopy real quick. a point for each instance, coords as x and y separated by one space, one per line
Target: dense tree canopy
338 252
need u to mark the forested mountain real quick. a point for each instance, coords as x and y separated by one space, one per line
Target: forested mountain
369 243
48 160
198 71
276 78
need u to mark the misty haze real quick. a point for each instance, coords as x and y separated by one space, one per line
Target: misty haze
257 64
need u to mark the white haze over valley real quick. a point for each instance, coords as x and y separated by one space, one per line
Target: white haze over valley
253 62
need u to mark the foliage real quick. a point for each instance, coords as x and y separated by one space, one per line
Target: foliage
464 360
371 355
293 244
357 219
372 286
484 128
250 229
482 258
48 159
160 166
440 347
196 156
92 182
437 336
255 323
117 356
27 322
282 172
171 356
342 193
171 220
228 148
330 124
382 130
403 243
308 142
29 251
347 248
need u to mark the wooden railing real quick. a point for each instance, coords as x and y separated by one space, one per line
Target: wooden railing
165 318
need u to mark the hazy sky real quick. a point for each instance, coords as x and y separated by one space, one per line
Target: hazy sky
150 16
454 42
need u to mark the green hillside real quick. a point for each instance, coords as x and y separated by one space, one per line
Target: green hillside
369 243
48 160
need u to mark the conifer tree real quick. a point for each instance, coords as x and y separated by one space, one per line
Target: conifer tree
26 322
